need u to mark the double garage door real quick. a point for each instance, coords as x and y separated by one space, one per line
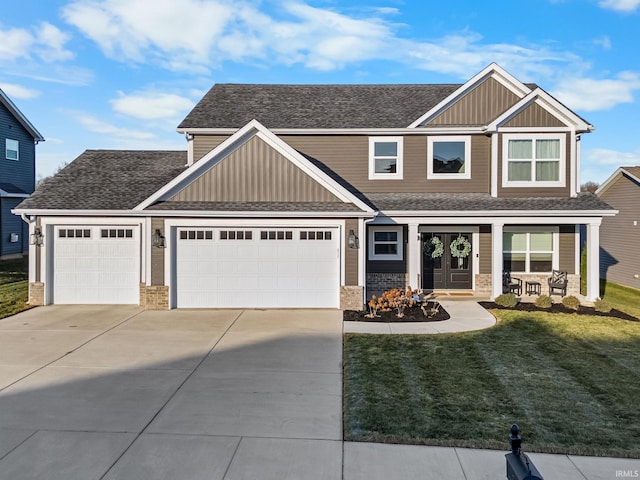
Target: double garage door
257 267
96 265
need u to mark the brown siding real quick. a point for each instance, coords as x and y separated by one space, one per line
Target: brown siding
534 116
351 254
479 107
203 144
157 254
348 156
255 172
619 260
536 191
567 247
485 249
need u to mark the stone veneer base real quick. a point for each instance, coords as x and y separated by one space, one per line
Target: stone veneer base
154 297
351 297
36 294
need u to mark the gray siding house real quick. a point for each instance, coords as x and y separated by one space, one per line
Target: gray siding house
318 196
620 235
18 138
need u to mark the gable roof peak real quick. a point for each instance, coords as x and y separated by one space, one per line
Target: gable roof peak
15 111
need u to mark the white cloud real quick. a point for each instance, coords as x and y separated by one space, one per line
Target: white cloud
589 94
604 42
620 5
45 40
151 105
50 43
599 163
18 91
98 126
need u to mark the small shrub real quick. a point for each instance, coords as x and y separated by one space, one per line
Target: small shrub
602 306
544 301
571 302
508 300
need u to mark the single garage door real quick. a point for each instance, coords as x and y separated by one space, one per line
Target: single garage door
96 265
257 268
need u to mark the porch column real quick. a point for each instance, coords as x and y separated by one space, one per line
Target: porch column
593 259
496 259
413 260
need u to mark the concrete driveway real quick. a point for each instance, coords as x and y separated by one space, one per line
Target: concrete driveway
121 393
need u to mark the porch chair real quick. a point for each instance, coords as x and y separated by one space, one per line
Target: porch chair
558 281
511 284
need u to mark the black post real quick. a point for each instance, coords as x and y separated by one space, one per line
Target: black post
519 465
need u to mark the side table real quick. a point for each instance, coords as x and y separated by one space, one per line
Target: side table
533 288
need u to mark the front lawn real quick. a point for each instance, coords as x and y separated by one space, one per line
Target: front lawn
14 286
623 298
571 382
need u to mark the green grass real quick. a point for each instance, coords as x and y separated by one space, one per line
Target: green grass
14 286
623 298
571 382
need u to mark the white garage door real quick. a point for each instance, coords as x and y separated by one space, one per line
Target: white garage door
257 267
96 265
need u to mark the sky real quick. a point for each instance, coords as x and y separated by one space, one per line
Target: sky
122 74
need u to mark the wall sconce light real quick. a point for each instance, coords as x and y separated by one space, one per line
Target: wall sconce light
353 240
36 238
157 239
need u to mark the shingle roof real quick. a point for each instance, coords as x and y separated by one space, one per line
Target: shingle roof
315 106
107 180
470 202
257 206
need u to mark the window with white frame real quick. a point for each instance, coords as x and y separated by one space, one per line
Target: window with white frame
449 157
385 158
385 243
534 160
530 250
12 150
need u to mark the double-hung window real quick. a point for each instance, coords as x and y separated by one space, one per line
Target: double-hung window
531 250
385 158
385 242
449 157
534 160
12 149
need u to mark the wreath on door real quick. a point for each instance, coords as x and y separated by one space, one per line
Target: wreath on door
433 247
460 247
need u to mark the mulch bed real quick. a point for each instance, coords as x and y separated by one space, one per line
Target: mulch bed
560 308
413 314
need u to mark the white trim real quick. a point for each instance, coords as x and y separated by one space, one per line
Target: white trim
533 183
399 255
573 191
532 130
189 213
399 158
32 252
576 231
4 99
414 255
466 139
494 164
550 104
171 225
492 71
593 260
7 149
488 219
497 266
555 254
5 194
517 215
251 129
343 131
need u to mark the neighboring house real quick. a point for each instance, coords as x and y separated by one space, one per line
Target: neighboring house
320 195
619 259
18 138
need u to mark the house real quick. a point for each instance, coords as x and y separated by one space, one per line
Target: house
18 138
619 261
320 195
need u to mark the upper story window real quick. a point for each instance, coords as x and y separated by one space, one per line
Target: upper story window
12 149
385 158
535 160
385 242
449 157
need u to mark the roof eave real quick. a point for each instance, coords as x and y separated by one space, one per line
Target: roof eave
6 101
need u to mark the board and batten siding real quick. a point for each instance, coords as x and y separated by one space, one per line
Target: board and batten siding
619 235
157 254
351 254
479 107
348 156
255 172
534 116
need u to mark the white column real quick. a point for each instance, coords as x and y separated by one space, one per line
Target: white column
415 250
593 260
32 252
496 259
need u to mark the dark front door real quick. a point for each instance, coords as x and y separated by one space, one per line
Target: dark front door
444 268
